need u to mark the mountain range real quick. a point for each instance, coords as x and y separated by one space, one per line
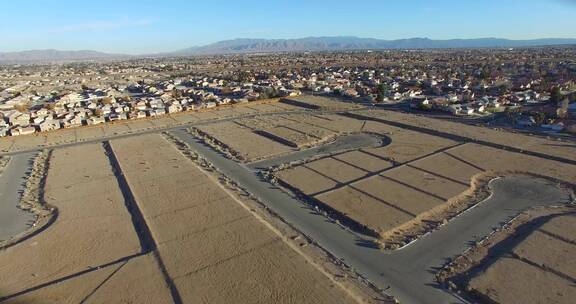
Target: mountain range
247 46
354 43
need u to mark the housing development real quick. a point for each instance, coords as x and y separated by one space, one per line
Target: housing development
359 176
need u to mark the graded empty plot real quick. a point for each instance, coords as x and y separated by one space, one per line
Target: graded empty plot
111 129
306 180
213 248
271 273
343 124
505 161
90 132
380 128
365 161
248 144
336 170
311 119
163 121
449 167
136 280
320 102
26 142
6 143
313 131
141 124
364 209
426 182
512 281
561 226
548 251
140 280
408 145
406 198
287 136
520 141
266 107
89 231
220 242
185 117
60 136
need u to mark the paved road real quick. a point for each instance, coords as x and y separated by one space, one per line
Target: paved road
409 272
13 220
342 143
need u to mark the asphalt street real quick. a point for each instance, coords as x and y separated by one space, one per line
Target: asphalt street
14 220
408 273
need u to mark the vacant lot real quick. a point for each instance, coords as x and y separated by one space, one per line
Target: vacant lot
91 243
319 102
529 262
520 141
214 249
418 178
246 144
372 181
498 160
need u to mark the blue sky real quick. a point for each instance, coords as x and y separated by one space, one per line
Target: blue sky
138 27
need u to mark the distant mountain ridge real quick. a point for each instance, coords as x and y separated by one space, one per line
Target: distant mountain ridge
247 46
237 46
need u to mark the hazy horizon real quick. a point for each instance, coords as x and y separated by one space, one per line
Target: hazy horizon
145 28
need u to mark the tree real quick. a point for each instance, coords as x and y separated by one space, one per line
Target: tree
382 91
555 95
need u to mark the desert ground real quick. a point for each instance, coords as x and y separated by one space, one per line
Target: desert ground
422 176
136 221
531 260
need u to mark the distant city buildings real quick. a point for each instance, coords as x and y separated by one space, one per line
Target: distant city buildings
521 83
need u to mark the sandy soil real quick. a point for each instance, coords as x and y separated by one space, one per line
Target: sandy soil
503 161
336 170
137 280
533 143
288 136
306 180
6 143
398 195
242 142
293 130
324 103
91 132
92 229
409 145
115 128
239 257
429 183
447 166
342 124
23 142
364 161
528 261
365 209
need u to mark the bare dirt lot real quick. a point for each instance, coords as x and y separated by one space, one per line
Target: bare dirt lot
419 178
89 246
214 249
529 261
243 142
